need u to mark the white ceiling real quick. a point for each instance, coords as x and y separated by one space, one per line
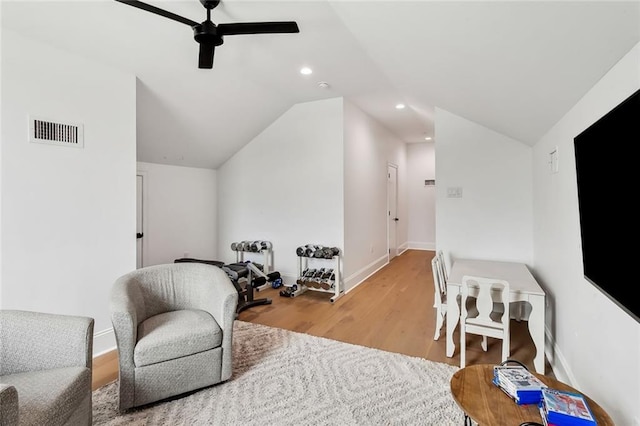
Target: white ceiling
514 66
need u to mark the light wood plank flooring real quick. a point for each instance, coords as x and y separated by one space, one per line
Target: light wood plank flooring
392 310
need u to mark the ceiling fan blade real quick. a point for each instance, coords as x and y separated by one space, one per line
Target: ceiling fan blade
158 11
258 28
205 59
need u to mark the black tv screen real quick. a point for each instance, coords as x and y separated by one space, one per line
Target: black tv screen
606 164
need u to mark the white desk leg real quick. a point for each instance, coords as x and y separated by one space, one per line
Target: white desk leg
453 316
536 329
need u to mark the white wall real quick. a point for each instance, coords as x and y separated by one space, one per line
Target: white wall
180 212
1 138
68 214
369 148
597 344
285 186
494 217
421 165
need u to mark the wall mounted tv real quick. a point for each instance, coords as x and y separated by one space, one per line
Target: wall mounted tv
606 164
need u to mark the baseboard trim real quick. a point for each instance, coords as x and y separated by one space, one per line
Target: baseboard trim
361 275
417 245
104 341
558 362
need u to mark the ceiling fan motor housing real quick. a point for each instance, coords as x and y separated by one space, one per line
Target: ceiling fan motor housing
210 4
207 33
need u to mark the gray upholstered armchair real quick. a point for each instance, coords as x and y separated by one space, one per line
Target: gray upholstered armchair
45 369
173 325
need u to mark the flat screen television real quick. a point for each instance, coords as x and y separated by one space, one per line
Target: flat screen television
606 163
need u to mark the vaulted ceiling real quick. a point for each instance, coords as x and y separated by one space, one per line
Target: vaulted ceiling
514 66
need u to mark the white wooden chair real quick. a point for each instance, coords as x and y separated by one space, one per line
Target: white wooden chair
440 297
439 271
488 322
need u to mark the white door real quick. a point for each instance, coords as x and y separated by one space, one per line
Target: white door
392 210
139 216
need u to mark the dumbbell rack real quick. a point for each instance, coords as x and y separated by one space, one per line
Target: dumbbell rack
303 263
268 263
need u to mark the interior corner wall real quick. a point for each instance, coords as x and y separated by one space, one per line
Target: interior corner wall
493 219
285 186
368 149
421 166
596 344
68 214
179 213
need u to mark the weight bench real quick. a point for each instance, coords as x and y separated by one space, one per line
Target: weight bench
235 272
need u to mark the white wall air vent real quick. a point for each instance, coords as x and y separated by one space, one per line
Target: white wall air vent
52 133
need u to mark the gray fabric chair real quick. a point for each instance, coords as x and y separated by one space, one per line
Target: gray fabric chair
174 326
45 369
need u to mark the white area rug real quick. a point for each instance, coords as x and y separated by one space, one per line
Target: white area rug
286 378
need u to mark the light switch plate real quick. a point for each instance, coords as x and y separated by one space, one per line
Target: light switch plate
454 192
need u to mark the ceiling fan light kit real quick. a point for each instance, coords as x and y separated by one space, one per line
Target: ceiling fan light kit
209 35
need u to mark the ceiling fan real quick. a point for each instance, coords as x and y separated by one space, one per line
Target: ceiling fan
210 35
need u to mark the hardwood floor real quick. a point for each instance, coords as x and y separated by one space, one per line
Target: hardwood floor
392 310
105 369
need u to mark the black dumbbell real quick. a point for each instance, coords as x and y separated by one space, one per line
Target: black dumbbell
308 274
300 251
286 292
234 246
266 245
309 250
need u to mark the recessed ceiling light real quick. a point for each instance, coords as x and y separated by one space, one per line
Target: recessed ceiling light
305 70
427 138
400 106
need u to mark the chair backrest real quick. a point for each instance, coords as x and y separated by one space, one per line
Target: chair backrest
168 287
443 267
487 292
438 281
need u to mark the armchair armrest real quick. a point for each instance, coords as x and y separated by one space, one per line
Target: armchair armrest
8 405
219 297
124 318
38 341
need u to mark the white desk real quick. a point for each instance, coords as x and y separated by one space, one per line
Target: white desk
523 288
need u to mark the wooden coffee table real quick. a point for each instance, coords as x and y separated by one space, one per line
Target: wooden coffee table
486 404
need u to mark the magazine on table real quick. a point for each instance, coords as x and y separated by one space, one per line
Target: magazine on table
562 408
519 383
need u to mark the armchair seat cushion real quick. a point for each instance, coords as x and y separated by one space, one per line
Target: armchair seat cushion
175 334
50 397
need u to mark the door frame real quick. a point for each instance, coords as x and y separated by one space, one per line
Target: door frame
144 203
388 213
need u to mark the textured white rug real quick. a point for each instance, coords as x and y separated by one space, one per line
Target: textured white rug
286 378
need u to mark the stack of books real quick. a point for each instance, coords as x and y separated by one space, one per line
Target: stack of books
561 408
519 383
